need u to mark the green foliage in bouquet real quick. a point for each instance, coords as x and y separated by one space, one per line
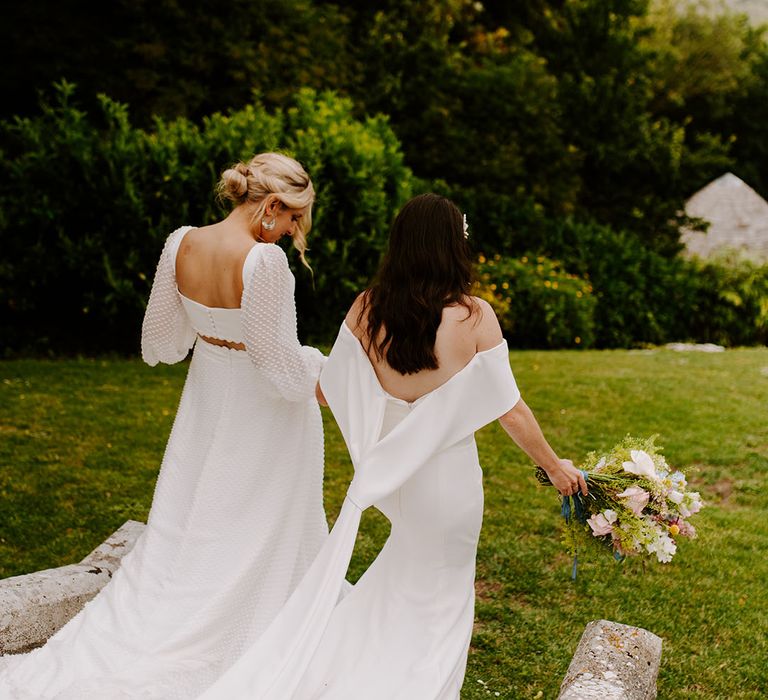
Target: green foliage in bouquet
636 505
538 303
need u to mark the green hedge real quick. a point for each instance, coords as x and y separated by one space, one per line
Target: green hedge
729 302
537 302
87 200
640 295
644 297
613 291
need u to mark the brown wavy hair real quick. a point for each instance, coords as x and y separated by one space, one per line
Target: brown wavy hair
427 266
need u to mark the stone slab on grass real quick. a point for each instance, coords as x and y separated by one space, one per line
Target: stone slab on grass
613 662
34 606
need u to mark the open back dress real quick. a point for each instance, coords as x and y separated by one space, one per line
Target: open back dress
237 515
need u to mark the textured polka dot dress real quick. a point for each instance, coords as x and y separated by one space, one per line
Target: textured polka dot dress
237 515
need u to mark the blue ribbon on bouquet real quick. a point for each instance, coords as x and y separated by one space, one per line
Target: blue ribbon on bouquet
579 512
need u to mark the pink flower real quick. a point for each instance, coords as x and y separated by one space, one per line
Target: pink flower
686 529
637 498
602 523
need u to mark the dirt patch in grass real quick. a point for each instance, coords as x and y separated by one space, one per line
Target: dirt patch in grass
718 493
724 490
487 590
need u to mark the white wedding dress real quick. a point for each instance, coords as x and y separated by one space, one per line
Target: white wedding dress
403 631
237 516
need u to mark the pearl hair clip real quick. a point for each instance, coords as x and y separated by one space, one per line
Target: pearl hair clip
466 226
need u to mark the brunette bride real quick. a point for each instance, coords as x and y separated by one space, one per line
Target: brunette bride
418 366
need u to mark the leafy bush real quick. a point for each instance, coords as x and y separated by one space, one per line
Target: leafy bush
361 181
730 304
87 200
537 302
641 296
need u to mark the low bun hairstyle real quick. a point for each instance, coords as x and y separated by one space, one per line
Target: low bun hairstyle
271 174
234 183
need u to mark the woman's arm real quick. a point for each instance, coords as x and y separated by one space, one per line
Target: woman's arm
521 425
269 328
166 333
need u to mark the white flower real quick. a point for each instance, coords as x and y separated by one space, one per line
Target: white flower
691 504
663 547
600 464
675 497
466 226
641 464
678 479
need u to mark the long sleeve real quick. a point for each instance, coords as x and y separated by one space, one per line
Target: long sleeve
166 333
269 327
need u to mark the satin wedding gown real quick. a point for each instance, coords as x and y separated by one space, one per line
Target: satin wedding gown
403 631
237 516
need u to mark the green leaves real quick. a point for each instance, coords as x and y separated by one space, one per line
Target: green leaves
537 302
89 199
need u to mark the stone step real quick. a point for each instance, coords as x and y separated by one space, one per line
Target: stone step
34 606
613 662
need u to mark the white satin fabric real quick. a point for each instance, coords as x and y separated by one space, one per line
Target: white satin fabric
403 631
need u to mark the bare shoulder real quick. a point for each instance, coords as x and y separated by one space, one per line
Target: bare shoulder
471 326
355 316
482 311
196 235
486 326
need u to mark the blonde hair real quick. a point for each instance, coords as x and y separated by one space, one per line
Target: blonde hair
271 174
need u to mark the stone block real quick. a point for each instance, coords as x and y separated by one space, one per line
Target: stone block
613 662
34 606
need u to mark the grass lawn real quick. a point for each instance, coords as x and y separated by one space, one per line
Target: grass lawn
81 441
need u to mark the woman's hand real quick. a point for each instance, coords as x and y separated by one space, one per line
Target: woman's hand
320 396
522 427
566 478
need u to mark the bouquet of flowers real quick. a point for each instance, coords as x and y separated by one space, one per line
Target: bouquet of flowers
636 503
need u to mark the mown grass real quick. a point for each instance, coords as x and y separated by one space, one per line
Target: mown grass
81 441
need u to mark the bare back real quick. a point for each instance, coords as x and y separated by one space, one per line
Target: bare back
209 264
459 338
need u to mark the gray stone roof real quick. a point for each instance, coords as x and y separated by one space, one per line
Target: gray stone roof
738 218
756 10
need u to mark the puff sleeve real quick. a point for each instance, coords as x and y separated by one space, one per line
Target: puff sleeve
166 333
269 327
